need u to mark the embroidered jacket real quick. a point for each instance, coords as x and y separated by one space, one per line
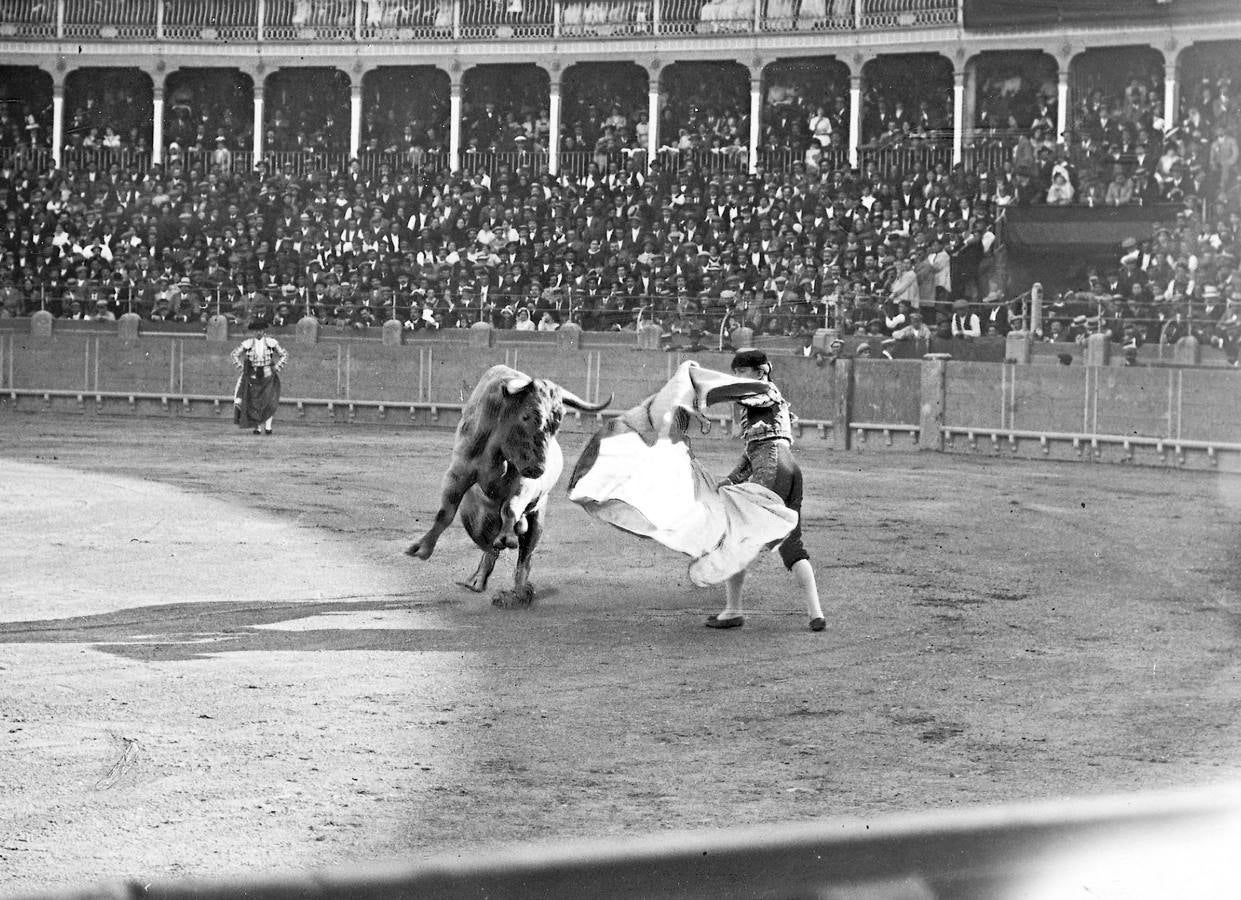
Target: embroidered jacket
260 352
766 416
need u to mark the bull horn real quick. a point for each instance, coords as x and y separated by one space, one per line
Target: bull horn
515 386
573 400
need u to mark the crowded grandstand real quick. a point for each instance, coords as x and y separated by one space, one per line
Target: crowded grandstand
793 194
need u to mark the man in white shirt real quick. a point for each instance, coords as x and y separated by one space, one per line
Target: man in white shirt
916 330
965 324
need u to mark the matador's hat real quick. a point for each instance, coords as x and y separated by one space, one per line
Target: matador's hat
749 358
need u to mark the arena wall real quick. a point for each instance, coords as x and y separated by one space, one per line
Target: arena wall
1148 414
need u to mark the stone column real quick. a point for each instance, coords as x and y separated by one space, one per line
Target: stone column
1170 86
756 112
58 119
1062 103
958 114
454 122
553 124
1171 83
355 117
970 102
157 124
258 116
855 115
652 112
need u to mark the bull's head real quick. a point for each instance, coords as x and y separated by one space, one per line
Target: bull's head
532 411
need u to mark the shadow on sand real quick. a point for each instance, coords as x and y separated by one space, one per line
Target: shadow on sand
184 631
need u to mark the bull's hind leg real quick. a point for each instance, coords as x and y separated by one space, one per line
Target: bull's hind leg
522 593
478 581
484 524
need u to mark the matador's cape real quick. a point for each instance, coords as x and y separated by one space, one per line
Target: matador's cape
638 474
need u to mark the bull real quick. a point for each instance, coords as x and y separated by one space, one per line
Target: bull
505 462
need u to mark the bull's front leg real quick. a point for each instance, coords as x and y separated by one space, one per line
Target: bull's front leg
522 593
457 480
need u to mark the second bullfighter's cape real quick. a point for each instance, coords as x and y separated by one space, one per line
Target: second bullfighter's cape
638 474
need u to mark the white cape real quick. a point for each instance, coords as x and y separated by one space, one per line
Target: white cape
638 474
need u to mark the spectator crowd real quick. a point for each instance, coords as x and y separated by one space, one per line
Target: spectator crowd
695 249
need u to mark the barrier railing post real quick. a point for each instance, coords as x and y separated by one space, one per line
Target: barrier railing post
393 333
307 330
1187 351
1018 347
217 328
128 326
1098 350
933 395
842 384
569 336
41 324
482 335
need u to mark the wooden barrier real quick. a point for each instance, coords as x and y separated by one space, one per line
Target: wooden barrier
1134 414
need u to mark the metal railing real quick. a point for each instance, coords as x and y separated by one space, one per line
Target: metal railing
124 20
310 20
606 18
22 18
891 14
893 161
211 20
392 20
435 20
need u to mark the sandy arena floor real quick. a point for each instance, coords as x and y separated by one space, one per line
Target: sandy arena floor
217 661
